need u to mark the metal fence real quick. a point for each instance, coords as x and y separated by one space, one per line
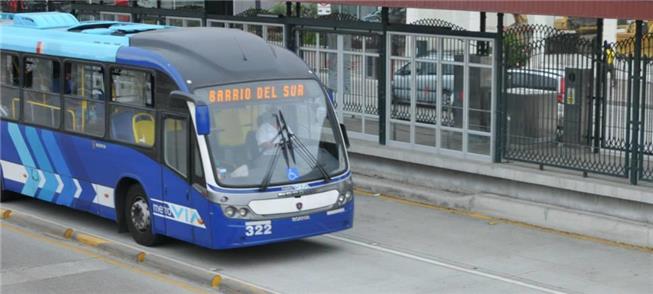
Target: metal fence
569 103
546 96
646 116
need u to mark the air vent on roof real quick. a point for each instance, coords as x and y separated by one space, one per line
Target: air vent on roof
90 26
45 20
116 29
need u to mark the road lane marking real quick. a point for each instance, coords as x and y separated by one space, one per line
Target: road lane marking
447 265
63 244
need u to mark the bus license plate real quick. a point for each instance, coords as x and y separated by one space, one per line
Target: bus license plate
258 228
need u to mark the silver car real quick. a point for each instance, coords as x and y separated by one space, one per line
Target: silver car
426 76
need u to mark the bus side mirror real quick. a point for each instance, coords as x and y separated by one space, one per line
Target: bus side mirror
344 135
179 100
202 119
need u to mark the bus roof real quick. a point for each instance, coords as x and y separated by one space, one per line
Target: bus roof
194 57
210 56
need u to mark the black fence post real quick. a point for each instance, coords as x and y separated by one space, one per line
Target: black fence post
634 167
289 29
381 69
599 98
500 113
642 116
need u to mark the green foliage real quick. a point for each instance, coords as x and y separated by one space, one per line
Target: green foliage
308 10
516 52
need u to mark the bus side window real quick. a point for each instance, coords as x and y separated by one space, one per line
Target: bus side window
131 107
10 98
175 144
131 87
84 101
198 170
162 88
42 104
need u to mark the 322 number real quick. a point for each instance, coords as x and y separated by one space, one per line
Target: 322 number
258 229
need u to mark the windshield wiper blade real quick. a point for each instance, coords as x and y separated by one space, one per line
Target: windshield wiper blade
268 174
286 144
304 152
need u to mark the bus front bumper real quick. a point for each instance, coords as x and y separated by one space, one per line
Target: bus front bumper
243 233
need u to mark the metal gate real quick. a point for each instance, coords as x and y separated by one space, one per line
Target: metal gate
347 63
441 93
569 103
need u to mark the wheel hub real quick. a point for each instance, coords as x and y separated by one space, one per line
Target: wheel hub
140 214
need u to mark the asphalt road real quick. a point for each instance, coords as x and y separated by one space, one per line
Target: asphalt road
35 263
400 247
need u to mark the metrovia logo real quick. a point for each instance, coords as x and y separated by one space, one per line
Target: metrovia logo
177 213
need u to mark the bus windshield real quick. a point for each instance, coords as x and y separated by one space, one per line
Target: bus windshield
272 133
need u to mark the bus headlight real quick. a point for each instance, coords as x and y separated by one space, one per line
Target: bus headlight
341 199
243 212
348 195
230 211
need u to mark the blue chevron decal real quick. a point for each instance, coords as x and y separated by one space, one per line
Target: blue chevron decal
86 195
66 195
31 185
50 185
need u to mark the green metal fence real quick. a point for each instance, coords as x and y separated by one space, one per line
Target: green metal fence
571 102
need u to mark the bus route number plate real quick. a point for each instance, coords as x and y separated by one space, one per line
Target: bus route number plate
258 228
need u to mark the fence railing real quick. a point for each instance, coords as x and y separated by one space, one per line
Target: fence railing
565 99
570 103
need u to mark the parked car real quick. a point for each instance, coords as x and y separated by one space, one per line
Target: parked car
426 81
542 79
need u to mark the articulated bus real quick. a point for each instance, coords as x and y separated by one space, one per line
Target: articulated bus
206 135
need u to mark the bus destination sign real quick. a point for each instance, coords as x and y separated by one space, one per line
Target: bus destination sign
244 93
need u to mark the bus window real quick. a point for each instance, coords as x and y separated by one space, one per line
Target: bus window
198 171
84 101
162 88
175 144
42 83
132 120
131 87
132 125
10 98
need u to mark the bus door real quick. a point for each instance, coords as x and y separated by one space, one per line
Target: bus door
178 211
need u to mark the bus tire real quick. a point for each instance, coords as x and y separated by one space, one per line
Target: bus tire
138 215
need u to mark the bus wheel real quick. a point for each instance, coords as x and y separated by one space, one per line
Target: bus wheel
138 214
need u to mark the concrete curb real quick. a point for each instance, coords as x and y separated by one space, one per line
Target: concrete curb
565 179
583 224
134 255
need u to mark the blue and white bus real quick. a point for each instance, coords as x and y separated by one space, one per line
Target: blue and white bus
206 135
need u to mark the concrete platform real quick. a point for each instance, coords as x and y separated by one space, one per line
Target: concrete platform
559 179
597 206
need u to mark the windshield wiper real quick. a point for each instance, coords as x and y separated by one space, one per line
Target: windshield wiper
268 174
285 146
304 152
